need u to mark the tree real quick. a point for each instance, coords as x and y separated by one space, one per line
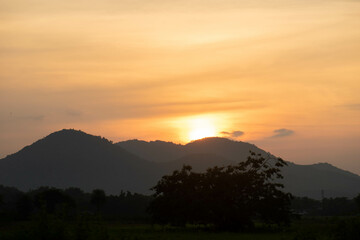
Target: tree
1 200
98 198
52 199
229 197
24 206
357 201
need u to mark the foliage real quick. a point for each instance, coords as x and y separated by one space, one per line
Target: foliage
17 205
339 206
24 206
306 206
228 197
357 201
98 198
53 199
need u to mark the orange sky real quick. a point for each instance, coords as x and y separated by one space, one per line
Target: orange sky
282 74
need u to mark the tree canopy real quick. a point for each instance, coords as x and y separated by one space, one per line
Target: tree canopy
229 197
52 199
357 200
98 198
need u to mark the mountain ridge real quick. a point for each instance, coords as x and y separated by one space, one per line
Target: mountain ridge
154 150
301 180
72 158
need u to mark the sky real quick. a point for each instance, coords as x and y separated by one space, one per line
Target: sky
282 74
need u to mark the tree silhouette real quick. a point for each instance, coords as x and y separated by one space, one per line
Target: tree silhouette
53 199
98 198
1 200
24 206
228 197
357 201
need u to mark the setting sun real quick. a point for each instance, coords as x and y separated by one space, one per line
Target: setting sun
201 128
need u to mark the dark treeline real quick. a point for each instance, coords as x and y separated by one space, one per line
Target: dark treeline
51 213
18 205
326 207
132 207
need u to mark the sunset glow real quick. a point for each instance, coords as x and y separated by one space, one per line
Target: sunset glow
201 128
281 74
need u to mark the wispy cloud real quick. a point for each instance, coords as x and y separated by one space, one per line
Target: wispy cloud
282 132
234 134
35 118
73 113
352 106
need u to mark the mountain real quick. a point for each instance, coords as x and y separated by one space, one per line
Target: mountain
74 158
301 180
198 161
155 151
312 180
159 151
70 158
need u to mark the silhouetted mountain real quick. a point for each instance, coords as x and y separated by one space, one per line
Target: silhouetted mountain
235 151
155 151
198 161
301 180
159 151
70 158
311 180
74 158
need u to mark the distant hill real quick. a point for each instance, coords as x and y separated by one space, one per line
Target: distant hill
301 180
198 161
159 151
74 158
70 158
155 151
310 180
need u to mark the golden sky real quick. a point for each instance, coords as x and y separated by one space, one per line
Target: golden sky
283 74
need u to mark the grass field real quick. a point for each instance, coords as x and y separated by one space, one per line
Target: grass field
305 229
139 232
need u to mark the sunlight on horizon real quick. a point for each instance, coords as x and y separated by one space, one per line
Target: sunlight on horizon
194 127
201 128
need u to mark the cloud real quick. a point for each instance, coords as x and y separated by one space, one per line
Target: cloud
355 107
282 132
233 134
33 118
30 117
237 133
73 113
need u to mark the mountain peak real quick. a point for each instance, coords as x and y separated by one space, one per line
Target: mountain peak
70 132
73 134
331 168
59 140
210 139
74 158
207 140
220 141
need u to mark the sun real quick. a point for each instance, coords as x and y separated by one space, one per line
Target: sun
201 128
